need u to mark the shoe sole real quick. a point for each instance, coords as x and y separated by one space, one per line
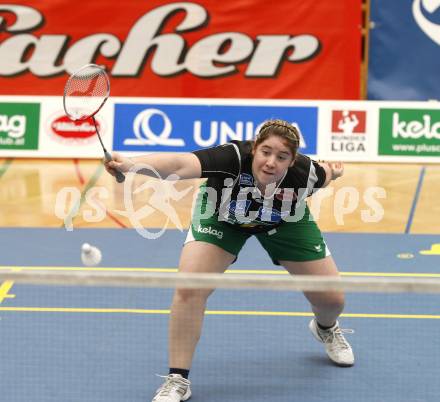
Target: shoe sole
187 396
342 364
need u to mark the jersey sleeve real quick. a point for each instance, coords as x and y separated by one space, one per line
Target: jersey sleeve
309 174
319 173
221 161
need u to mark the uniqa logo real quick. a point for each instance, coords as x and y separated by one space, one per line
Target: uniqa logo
144 134
204 133
211 56
428 27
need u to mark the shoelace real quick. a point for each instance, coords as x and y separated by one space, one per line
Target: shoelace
173 384
337 336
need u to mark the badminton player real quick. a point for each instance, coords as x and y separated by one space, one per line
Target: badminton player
253 188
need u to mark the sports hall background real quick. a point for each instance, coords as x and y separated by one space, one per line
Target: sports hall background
357 77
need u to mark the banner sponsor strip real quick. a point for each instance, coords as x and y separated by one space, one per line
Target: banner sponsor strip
362 131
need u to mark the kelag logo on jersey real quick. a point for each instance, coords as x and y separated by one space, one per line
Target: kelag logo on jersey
182 128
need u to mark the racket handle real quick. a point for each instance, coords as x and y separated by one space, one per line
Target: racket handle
120 177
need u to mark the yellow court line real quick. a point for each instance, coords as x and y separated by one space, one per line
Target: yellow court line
5 287
229 271
82 310
209 312
394 274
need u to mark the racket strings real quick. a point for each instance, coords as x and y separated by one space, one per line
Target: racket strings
85 92
88 86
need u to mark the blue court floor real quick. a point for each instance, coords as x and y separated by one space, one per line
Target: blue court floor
72 344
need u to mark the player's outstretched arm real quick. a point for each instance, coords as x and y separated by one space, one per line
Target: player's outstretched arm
184 165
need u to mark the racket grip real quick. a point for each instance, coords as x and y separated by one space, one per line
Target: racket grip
120 177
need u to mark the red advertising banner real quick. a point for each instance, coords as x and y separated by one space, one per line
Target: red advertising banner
294 49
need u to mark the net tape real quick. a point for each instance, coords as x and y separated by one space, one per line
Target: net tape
220 281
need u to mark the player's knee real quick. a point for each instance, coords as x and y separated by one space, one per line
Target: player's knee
337 302
191 295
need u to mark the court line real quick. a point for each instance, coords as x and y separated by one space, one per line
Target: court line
6 164
116 220
78 171
415 200
5 287
90 184
208 312
229 271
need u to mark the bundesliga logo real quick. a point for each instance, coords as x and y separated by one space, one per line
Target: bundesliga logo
348 131
349 122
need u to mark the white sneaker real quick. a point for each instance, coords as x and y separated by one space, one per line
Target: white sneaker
174 389
338 349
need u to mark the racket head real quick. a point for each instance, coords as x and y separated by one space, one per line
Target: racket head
86 92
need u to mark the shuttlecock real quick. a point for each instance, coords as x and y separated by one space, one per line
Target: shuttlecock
90 255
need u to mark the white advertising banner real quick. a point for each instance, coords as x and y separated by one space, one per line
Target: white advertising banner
347 131
357 131
63 138
367 131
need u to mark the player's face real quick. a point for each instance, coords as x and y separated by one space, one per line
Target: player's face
271 160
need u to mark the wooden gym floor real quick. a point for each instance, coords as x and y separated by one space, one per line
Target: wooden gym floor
402 198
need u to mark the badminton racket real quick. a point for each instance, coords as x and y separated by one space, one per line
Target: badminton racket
85 94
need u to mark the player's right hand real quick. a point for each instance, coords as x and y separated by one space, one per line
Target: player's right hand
119 162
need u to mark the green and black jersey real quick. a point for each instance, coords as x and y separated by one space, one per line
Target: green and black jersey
232 193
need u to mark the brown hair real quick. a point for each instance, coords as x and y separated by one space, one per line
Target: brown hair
282 129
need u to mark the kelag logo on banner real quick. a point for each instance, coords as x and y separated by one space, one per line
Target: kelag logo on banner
19 124
409 132
182 128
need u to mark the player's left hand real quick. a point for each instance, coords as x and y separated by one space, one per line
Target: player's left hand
337 169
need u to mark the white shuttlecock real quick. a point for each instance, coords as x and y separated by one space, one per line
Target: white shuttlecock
90 255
